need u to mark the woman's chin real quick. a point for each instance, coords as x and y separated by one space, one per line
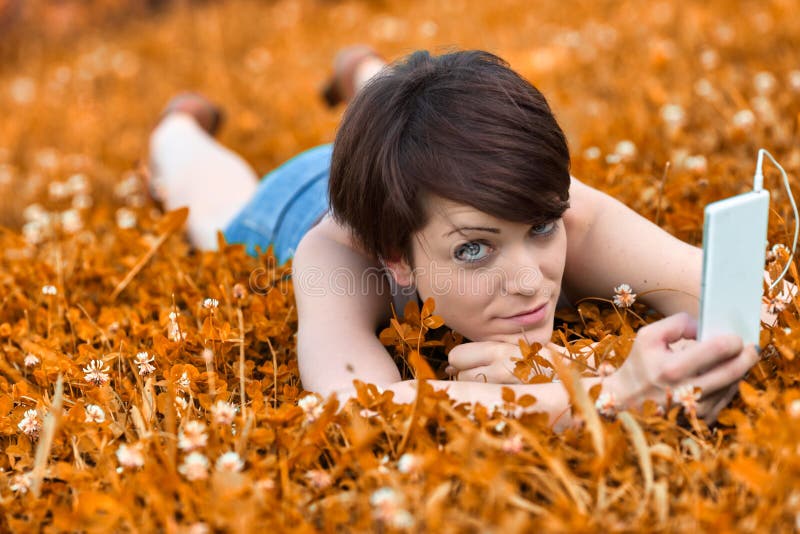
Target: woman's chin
540 335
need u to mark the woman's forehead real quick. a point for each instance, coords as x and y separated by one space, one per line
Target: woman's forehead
441 213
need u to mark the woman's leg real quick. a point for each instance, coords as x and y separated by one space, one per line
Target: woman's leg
190 168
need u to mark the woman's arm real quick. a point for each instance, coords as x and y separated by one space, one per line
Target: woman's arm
342 298
617 245
653 371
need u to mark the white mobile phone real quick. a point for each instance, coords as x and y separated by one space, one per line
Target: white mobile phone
734 244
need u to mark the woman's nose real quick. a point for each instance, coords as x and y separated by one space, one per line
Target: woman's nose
522 273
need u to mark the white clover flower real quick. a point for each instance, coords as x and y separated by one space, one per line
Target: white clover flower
319 479
46 158
385 502
744 119
78 184
184 382
31 360
30 424
57 190
606 404
181 403
696 164
709 59
20 483
33 232
35 212
626 150
780 250
402 520
82 201
311 406
513 444
383 468
673 115
144 362
71 221
49 290
687 396
606 369
129 185
592 153
764 108
198 528
223 412
207 355
428 28
125 217
239 292
23 90
194 467
96 372
388 507
624 297
229 462
409 464
794 80
94 414
174 332
794 409
210 303
192 436
764 83
779 302
130 456
704 89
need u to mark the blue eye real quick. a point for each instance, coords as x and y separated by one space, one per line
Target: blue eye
544 228
471 252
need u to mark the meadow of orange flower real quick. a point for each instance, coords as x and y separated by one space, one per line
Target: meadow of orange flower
146 386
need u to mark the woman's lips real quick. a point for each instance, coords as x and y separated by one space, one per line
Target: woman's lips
528 318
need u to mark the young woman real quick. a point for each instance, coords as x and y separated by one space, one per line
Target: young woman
451 174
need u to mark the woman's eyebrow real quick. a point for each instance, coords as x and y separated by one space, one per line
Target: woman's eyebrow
461 229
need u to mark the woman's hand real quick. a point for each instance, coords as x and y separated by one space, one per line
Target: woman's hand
484 361
653 370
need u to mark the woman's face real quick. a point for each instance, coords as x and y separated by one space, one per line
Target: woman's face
492 280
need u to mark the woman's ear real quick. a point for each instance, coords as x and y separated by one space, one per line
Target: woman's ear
400 270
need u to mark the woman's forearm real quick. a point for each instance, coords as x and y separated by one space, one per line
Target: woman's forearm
551 398
616 245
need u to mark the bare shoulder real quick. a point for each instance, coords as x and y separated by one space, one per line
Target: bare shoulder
330 230
584 203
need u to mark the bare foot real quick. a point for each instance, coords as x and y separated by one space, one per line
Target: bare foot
353 66
207 114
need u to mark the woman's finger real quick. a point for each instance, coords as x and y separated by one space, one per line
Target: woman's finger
669 330
476 374
700 357
728 372
479 353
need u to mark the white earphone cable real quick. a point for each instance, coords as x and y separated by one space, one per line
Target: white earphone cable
758 185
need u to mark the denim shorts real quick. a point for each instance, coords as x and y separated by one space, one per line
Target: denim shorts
287 203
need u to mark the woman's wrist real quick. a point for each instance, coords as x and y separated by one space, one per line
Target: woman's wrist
616 394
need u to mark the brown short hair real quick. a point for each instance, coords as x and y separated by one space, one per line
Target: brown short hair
462 126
